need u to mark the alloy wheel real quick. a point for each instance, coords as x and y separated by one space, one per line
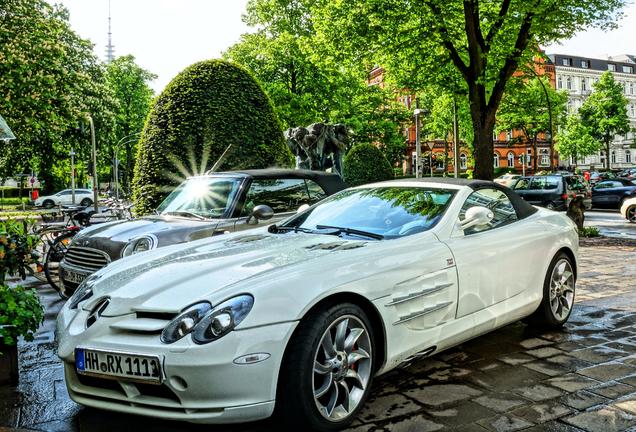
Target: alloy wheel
342 368
631 214
561 289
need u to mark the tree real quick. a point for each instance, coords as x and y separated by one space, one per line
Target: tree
210 109
365 163
604 112
49 80
129 85
464 45
533 107
575 139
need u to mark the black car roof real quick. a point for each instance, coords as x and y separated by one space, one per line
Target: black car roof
331 183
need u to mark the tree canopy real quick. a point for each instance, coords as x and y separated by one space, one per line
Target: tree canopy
575 140
462 45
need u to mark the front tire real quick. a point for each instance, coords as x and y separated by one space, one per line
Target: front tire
48 204
328 369
559 289
630 214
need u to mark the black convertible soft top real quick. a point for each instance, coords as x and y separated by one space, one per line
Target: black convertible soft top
522 208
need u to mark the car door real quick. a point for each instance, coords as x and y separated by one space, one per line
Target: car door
492 264
284 196
602 193
65 197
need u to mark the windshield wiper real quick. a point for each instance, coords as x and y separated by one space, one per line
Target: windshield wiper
353 231
185 213
276 229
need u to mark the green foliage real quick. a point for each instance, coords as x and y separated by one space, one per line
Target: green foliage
463 46
604 112
16 248
49 80
21 313
589 232
206 108
575 139
14 201
129 84
365 163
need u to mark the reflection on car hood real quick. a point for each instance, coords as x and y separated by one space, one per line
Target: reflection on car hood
169 279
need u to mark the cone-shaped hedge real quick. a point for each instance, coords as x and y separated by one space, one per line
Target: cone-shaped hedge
365 163
208 106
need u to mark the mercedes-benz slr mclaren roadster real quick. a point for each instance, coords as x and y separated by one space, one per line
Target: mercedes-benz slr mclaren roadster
297 318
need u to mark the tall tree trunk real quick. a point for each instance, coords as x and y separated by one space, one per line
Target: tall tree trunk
607 153
535 160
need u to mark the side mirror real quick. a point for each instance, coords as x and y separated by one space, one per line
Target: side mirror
302 208
260 212
477 215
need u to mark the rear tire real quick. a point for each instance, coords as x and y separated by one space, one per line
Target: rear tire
559 288
327 371
48 204
86 202
54 256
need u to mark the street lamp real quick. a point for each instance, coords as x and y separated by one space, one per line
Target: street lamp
116 158
94 157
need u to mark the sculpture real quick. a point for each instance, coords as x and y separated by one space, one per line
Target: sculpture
319 146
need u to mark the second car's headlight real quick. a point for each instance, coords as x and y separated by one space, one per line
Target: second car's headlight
139 244
83 292
206 323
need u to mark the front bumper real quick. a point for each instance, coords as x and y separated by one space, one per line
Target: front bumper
202 383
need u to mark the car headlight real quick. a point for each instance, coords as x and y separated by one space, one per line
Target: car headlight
83 292
206 323
139 244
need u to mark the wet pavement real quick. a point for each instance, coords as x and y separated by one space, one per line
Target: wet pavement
582 378
610 223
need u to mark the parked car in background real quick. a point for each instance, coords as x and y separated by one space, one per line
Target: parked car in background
629 174
302 315
628 209
200 207
550 191
507 179
611 193
83 197
596 176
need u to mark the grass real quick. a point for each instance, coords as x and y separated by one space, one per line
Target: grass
589 232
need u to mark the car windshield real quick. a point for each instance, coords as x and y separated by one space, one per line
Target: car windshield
201 197
380 212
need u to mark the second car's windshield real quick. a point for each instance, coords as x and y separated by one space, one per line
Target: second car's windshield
386 212
205 197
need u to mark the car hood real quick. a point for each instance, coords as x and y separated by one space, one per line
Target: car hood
169 279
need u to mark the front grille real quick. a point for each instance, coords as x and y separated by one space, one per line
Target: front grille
158 391
86 258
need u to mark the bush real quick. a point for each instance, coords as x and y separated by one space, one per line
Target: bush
365 163
589 232
21 314
14 201
208 106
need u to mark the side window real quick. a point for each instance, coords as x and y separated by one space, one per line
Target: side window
495 200
604 185
522 184
65 192
315 191
282 195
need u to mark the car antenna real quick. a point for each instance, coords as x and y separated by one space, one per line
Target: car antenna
221 159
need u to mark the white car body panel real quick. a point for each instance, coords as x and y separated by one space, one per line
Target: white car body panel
64 198
431 290
627 203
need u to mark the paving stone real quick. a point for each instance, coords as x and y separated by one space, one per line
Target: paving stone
568 362
591 341
608 371
465 428
599 354
538 392
463 414
612 389
425 366
386 407
572 382
505 424
535 343
626 405
550 369
516 358
505 378
544 352
631 380
543 412
500 404
569 346
582 400
626 345
414 424
443 394
604 419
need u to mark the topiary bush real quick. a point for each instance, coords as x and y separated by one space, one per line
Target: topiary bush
208 106
365 163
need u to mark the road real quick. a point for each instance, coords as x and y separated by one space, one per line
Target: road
610 223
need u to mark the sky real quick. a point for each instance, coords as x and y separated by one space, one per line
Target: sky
165 36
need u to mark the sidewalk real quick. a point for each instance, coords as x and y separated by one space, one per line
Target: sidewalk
580 379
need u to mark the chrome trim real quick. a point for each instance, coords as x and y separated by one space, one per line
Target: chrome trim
87 259
423 312
422 293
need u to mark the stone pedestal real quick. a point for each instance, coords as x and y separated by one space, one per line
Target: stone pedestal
8 364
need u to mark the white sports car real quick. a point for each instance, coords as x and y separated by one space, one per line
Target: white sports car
628 209
300 316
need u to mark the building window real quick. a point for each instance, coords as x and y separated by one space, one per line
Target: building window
583 84
585 64
613 157
511 159
568 83
602 158
611 67
495 160
462 161
628 69
529 158
545 157
632 111
559 82
566 62
631 88
628 156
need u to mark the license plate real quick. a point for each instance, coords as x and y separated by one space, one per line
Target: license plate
132 367
73 277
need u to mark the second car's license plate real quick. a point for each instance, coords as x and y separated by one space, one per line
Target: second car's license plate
107 364
73 277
